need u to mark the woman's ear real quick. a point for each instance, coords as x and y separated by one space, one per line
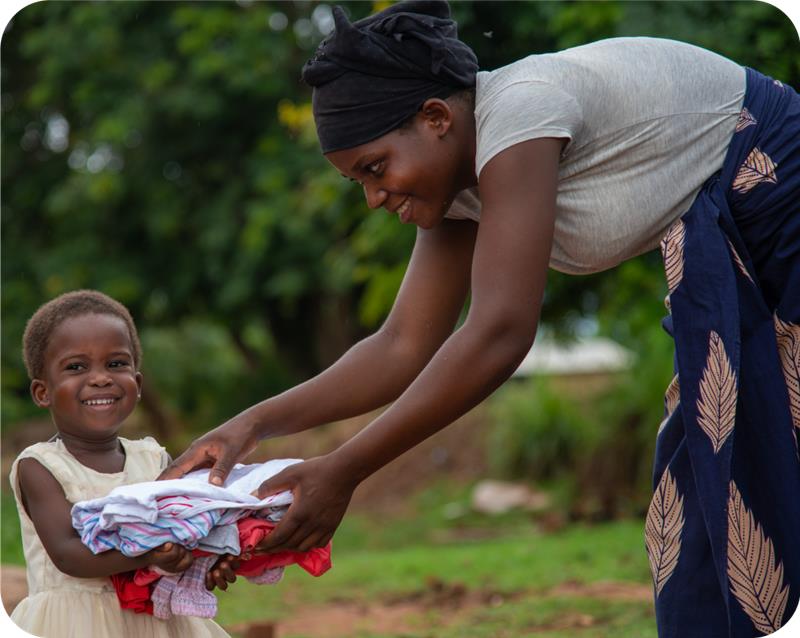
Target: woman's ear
40 394
438 114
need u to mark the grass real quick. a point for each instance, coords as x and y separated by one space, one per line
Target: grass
444 572
468 576
518 570
10 542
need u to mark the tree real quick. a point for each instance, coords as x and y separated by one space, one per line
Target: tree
164 153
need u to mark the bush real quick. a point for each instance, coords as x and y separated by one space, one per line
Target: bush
538 433
597 451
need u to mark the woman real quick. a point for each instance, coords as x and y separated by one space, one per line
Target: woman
576 160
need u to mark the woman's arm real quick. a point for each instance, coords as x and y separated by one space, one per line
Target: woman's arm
518 190
518 193
369 375
44 500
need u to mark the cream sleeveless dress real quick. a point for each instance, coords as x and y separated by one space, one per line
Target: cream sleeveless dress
61 606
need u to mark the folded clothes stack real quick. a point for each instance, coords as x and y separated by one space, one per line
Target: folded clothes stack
205 518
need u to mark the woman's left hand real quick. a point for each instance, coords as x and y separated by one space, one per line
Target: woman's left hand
321 491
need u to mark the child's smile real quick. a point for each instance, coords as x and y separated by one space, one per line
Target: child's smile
100 404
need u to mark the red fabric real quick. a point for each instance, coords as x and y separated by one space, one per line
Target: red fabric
131 595
253 530
144 576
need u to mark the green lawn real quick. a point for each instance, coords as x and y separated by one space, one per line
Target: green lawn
445 576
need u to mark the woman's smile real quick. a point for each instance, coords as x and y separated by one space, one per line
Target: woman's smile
404 211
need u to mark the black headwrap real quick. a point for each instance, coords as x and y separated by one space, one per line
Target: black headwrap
372 75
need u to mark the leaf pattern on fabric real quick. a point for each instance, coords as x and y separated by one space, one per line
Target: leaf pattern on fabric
672 251
739 263
745 119
672 397
662 530
755 580
757 168
716 405
788 337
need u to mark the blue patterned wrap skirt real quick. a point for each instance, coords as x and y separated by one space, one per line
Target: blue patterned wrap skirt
723 528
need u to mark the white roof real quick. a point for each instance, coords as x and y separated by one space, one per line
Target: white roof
580 356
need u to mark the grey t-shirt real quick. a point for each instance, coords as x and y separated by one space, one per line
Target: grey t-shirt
648 121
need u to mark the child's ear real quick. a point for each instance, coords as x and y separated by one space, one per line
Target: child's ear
41 397
139 381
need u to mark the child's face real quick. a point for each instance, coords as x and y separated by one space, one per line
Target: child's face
90 382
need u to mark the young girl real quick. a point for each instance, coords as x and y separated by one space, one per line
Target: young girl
575 160
82 354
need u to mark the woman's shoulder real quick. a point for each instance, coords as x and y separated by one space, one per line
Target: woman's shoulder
575 65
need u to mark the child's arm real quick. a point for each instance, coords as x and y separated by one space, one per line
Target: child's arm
44 500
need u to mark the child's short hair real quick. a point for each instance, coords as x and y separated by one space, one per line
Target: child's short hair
70 304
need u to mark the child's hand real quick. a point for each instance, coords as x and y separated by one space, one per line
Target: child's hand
222 572
170 557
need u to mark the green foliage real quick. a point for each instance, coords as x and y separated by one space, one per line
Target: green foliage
596 450
185 180
164 153
214 378
11 546
538 433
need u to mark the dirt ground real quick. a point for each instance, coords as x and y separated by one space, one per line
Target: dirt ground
342 619
345 619
13 586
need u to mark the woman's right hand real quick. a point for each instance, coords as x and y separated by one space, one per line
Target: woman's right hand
322 490
220 449
170 557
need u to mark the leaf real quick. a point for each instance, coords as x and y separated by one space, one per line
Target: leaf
788 337
671 399
757 168
754 579
672 250
717 403
738 261
745 119
662 530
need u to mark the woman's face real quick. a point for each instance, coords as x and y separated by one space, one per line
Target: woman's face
414 172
